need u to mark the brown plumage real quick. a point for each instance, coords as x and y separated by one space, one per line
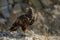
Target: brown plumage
23 21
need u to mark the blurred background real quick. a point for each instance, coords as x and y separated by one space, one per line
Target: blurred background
47 15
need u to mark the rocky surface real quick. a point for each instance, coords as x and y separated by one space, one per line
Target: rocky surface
29 36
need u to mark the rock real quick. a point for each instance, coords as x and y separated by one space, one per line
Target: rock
32 36
2 20
46 2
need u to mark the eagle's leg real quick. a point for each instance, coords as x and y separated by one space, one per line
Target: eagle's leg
25 28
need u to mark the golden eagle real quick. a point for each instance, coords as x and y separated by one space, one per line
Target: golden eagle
23 21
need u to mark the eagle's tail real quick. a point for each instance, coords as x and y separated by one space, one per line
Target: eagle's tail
13 28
